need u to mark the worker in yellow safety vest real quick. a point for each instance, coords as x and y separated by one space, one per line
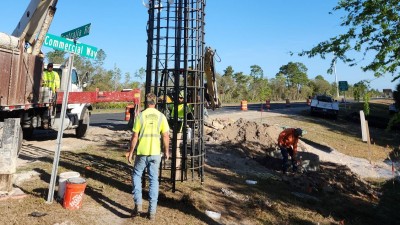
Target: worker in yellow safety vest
181 111
149 127
51 78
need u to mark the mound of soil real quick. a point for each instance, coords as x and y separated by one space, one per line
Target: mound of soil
253 140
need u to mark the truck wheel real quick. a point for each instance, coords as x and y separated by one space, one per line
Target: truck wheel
312 113
83 126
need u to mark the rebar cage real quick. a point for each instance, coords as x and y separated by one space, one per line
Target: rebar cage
175 67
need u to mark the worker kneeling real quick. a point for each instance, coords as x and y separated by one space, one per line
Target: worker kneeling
287 142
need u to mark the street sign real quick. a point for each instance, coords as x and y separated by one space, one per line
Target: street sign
77 32
343 86
66 45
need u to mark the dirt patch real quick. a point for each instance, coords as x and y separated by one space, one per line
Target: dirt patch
236 152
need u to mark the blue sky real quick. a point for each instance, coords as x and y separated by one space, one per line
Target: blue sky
244 33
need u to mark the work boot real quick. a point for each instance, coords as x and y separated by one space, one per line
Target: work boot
136 211
152 217
45 124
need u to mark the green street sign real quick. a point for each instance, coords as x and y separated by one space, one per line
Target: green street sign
343 86
77 32
66 45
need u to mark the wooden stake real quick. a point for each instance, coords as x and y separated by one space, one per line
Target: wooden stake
368 141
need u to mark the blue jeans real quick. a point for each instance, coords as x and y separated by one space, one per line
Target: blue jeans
285 154
152 163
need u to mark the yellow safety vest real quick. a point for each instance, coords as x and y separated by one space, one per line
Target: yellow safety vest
51 80
150 124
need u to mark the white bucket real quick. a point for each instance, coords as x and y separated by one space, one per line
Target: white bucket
62 181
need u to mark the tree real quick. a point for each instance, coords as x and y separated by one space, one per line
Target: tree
127 80
256 72
242 84
278 88
296 76
140 74
56 56
228 71
373 27
320 85
116 77
360 89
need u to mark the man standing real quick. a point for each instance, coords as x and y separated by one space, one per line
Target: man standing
287 142
51 78
150 125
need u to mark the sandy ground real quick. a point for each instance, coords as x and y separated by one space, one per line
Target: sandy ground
362 167
257 133
98 136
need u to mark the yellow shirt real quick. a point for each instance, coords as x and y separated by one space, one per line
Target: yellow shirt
150 124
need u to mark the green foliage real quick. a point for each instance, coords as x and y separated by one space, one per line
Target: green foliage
366 99
319 86
296 77
359 90
393 121
372 28
56 56
111 105
256 72
396 96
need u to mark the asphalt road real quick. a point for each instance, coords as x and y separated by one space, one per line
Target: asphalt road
113 119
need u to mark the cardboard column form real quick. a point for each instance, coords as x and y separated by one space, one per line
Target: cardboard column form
9 147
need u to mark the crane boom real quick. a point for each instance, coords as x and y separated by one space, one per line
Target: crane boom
35 22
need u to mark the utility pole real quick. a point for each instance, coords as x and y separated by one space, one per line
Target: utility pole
336 81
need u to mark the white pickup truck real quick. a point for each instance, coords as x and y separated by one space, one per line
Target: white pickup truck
325 105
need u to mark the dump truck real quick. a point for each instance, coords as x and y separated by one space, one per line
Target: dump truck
25 103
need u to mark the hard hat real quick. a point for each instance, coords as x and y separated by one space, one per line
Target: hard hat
298 132
181 94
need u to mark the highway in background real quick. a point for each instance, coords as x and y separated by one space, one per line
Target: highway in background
117 119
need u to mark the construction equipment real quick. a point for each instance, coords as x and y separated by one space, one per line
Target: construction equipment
21 93
211 93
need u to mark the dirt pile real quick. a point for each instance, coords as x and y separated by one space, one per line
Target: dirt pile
254 140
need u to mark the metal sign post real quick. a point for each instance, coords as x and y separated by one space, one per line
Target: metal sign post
56 160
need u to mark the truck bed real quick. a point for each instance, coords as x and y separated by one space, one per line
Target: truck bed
20 77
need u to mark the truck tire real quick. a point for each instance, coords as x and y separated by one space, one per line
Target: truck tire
83 125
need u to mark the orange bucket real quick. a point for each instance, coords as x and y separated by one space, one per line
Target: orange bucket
74 191
243 105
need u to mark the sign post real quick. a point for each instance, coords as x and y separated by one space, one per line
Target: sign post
57 152
72 47
343 86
